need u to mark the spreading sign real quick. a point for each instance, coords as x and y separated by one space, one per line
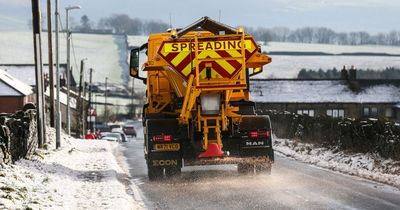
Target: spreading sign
223 56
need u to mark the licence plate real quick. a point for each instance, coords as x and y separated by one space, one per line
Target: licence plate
167 147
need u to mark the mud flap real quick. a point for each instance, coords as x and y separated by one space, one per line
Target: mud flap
164 155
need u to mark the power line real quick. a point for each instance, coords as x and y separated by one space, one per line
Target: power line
73 52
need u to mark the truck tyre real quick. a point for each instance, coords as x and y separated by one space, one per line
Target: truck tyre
154 173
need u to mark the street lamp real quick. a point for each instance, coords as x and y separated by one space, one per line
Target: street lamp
69 67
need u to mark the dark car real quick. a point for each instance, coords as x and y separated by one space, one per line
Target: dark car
103 127
129 130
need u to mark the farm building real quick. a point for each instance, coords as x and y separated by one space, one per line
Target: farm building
336 98
14 94
26 73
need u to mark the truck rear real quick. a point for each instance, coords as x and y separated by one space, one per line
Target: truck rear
198 109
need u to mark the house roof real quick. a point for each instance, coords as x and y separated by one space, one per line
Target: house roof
10 86
63 98
26 72
323 91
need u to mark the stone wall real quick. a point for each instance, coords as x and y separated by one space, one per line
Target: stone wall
18 136
366 136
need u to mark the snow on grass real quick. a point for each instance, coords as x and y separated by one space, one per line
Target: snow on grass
101 51
328 48
84 174
284 66
103 54
369 166
137 41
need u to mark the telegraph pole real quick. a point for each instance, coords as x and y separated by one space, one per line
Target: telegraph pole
58 112
90 123
68 77
84 110
79 101
105 101
51 72
38 68
133 95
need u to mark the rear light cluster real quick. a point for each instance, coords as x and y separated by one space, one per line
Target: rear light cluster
162 138
258 134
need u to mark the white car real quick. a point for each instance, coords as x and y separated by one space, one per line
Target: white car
116 128
114 136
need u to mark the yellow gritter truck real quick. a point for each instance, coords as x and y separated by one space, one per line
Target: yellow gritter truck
198 109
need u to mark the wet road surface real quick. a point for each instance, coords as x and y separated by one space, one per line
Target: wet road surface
292 185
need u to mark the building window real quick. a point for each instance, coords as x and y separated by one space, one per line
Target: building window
341 112
374 111
335 113
366 112
370 112
389 112
309 112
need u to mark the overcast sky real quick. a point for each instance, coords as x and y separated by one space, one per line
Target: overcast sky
341 15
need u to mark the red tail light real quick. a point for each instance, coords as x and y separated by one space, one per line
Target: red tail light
253 134
162 138
258 134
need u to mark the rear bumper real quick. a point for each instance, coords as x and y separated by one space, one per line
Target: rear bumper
228 160
165 159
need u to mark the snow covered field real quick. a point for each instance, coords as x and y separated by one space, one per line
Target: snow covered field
84 174
105 55
369 166
284 66
329 49
101 51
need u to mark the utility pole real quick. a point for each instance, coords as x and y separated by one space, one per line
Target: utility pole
84 110
90 123
51 72
69 67
38 69
105 101
58 112
133 94
79 101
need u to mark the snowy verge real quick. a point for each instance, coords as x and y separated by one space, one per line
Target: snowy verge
83 174
369 166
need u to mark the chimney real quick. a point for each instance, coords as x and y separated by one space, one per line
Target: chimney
344 74
352 74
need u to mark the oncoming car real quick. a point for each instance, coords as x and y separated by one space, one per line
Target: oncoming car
129 130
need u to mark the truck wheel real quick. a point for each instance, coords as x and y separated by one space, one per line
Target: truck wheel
154 173
171 172
245 168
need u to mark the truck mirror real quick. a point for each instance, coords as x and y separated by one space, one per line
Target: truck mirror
256 71
134 63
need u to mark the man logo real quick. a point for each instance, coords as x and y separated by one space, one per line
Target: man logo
254 143
165 162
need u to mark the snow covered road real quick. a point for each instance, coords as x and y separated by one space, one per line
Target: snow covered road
292 185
